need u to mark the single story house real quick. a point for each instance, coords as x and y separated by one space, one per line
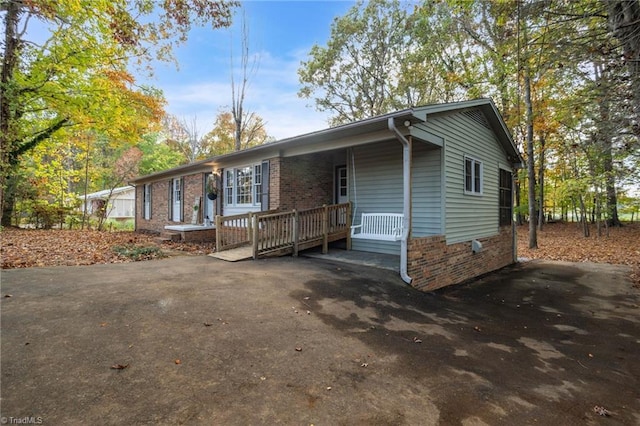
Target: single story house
447 169
119 202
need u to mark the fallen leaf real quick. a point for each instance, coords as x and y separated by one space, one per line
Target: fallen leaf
416 340
103 324
119 366
8 295
601 411
364 364
177 361
299 349
476 328
207 324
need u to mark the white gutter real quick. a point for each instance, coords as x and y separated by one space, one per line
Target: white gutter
406 198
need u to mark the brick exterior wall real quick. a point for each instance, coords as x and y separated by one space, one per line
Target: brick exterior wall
159 207
193 187
274 183
301 182
433 264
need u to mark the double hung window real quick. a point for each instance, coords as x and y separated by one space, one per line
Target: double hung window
472 176
243 186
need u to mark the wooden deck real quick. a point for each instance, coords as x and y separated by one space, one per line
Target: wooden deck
280 233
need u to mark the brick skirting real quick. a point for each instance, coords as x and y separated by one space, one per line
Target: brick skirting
433 264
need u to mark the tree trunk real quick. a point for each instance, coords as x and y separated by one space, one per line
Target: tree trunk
583 218
9 200
624 21
533 237
10 55
610 182
541 183
519 218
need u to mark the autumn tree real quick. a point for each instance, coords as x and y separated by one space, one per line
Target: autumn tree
183 137
248 67
78 76
222 139
126 167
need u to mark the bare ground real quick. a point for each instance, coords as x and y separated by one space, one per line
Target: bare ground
21 248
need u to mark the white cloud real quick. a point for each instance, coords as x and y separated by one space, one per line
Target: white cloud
271 93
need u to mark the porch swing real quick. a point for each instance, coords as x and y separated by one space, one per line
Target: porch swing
375 226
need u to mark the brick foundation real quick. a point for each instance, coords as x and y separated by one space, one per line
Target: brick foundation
433 264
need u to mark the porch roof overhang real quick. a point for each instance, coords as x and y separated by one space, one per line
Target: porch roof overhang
362 132
353 134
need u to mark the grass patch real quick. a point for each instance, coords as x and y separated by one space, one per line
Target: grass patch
135 252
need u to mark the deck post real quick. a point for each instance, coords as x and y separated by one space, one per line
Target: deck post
254 235
349 222
249 226
325 229
296 232
218 220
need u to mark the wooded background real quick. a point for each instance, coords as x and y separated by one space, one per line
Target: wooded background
564 74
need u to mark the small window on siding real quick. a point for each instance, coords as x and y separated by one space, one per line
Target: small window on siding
506 197
473 176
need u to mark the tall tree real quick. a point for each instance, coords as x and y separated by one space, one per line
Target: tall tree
357 75
248 67
78 76
183 136
222 138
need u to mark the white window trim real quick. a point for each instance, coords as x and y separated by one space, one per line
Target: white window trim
231 201
474 161
147 201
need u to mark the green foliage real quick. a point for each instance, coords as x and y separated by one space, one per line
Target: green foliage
157 155
356 75
136 252
120 225
79 78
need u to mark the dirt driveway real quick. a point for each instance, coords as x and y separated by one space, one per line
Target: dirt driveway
303 341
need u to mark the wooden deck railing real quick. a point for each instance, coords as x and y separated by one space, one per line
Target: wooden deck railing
236 230
285 232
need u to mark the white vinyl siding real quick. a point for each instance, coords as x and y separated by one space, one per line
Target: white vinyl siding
468 217
376 187
426 193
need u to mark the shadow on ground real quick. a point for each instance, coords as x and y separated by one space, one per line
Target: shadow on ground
299 341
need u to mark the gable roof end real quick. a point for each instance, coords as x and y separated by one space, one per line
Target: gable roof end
492 115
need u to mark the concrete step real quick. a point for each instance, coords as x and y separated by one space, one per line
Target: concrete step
170 236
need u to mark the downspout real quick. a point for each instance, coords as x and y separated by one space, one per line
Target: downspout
406 198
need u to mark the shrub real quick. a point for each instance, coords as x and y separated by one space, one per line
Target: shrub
135 252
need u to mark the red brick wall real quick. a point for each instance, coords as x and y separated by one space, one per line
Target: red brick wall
433 264
301 182
193 187
274 183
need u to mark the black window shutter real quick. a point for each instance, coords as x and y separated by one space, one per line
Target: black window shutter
265 186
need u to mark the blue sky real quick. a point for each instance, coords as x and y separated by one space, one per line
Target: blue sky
281 34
